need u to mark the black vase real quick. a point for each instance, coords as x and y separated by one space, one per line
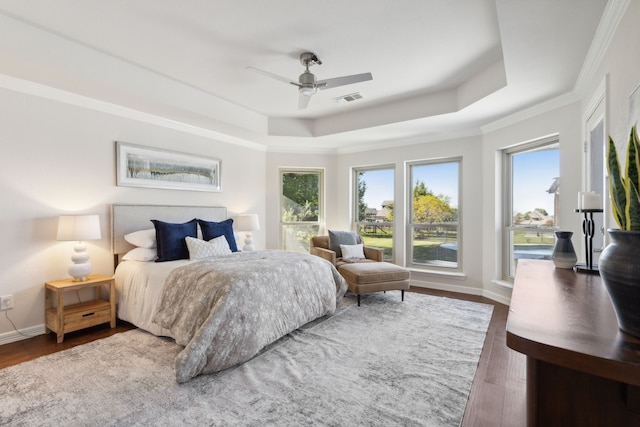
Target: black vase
620 270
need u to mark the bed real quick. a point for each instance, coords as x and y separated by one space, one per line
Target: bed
222 305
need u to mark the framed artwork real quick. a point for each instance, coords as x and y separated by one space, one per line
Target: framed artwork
139 166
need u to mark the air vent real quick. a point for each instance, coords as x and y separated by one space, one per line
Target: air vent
348 98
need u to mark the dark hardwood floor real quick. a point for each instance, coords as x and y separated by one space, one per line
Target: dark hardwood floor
41 345
497 395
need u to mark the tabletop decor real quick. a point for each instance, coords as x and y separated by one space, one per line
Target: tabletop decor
564 256
79 228
620 260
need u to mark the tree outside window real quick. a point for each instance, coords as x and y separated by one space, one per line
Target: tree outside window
434 215
300 207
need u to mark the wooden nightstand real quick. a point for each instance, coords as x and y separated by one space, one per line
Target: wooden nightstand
61 319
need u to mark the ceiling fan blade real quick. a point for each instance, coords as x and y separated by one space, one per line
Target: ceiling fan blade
273 76
345 80
303 101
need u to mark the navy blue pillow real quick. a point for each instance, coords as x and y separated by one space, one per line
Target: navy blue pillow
170 239
211 230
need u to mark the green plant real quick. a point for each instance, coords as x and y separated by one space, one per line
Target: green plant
625 199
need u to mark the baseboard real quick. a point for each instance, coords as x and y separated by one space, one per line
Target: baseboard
24 334
446 287
496 297
462 290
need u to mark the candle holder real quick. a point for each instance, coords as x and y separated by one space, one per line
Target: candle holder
588 230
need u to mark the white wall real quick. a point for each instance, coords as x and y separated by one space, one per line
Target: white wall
276 161
564 121
57 158
620 68
470 150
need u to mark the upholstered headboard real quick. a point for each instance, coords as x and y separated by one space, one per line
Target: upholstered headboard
128 218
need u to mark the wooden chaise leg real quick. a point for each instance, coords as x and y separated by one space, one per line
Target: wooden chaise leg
402 290
358 300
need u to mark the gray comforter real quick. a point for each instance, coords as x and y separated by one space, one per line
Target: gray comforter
225 310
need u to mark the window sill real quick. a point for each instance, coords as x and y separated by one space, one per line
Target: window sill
450 274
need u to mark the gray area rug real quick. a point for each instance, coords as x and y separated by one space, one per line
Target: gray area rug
382 364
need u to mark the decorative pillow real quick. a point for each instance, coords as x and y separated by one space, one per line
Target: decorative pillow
170 239
337 238
352 251
141 254
199 249
211 230
142 238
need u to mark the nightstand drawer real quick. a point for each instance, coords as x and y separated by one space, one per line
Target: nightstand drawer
80 316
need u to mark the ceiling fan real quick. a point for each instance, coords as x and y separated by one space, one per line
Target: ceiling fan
307 84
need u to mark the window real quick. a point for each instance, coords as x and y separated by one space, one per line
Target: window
531 201
373 207
434 224
301 207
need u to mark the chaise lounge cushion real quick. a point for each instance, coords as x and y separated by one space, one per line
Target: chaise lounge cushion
363 278
373 272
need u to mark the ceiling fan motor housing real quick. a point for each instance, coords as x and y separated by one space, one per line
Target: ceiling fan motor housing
309 58
307 83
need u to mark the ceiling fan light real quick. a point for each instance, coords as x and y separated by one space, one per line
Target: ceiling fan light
308 90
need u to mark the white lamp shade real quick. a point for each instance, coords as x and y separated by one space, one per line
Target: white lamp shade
248 222
79 227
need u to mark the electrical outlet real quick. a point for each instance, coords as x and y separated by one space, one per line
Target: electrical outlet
6 302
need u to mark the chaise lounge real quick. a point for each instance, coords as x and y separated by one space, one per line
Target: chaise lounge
363 275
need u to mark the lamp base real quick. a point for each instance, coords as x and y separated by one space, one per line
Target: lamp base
248 243
583 268
80 268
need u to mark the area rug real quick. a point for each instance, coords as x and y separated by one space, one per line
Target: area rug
382 364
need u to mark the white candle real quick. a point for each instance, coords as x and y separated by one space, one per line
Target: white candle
580 193
591 200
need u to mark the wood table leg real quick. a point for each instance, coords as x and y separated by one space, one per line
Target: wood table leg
48 303
532 392
60 320
112 300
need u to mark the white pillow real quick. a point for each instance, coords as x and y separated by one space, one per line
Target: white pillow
199 249
352 251
141 254
142 238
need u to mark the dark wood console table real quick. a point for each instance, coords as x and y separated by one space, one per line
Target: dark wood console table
581 369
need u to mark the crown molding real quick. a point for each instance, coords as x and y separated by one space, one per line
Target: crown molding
613 13
536 110
420 139
65 97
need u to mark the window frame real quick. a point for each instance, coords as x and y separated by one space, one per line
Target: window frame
355 223
507 198
409 215
321 202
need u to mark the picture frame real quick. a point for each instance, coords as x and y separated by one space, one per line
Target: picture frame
141 166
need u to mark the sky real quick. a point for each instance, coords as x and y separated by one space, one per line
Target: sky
534 173
439 178
379 187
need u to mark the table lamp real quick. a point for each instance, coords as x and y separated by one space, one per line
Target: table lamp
79 228
247 223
